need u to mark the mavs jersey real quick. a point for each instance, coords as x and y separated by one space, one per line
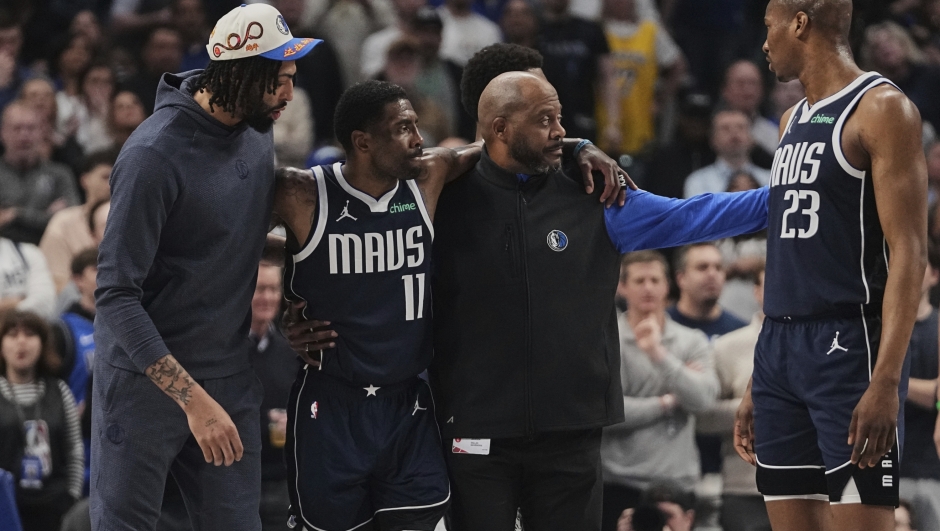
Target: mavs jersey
826 252
365 269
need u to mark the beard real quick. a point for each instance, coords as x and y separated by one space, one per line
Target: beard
261 120
403 169
533 160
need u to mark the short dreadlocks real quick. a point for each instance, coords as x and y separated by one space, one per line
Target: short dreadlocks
239 84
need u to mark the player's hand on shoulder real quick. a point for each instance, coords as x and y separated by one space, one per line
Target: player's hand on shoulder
872 430
744 429
616 180
213 430
307 336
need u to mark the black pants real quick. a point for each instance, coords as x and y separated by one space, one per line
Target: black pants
616 499
553 478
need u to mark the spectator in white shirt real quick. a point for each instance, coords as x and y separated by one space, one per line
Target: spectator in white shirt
743 90
732 141
375 48
25 283
465 32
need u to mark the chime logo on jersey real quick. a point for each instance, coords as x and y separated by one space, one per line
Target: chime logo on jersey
313 410
823 119
375 252
557 240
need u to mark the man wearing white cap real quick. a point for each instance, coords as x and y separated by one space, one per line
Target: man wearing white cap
192 192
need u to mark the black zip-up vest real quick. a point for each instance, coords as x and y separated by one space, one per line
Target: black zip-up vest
525 332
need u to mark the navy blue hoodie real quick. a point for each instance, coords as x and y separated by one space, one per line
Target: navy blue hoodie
190 204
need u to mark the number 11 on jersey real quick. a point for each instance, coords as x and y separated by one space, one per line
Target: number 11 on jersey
409 281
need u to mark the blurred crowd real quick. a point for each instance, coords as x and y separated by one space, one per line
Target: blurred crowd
676 90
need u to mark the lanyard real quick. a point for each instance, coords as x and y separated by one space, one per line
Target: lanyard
37 406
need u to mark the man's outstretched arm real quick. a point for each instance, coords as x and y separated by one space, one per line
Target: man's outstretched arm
648 221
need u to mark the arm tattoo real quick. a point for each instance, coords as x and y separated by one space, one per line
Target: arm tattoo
298 184
170 376
210 422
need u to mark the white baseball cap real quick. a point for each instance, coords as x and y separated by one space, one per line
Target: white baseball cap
256 29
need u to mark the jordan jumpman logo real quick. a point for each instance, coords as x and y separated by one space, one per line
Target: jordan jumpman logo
345 213
418 408
836 346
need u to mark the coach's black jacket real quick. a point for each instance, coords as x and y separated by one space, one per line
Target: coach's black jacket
525 335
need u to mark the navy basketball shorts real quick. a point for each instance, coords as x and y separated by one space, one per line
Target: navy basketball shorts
364 457
808 378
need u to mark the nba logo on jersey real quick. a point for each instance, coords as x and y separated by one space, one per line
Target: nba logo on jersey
313 410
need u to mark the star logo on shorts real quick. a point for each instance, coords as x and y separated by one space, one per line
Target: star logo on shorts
370 391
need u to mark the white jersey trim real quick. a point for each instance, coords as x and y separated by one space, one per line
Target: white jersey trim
840 467
861 256
816 497
884 247
849 500
419 199
840 124
808 110
865 327
442 502
321 219
776 467
375 205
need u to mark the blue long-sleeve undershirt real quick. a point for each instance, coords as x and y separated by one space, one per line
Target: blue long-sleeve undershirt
648 221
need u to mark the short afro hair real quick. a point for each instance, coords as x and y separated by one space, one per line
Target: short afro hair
490 62
361 107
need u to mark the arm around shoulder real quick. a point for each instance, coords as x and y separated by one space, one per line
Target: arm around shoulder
295 200
648 221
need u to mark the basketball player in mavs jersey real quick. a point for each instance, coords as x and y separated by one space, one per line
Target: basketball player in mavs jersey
363 446
846 253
